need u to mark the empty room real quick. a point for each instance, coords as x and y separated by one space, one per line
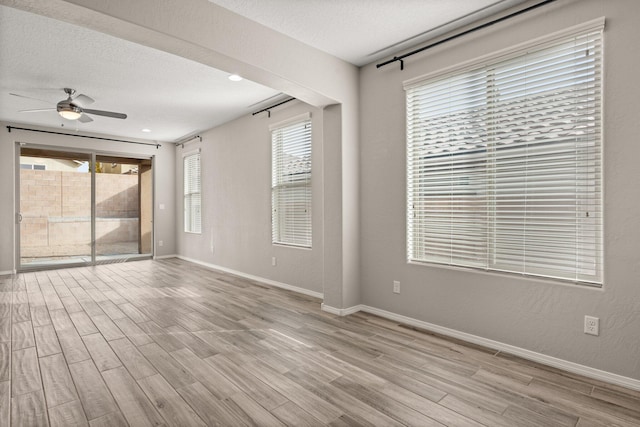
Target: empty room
319 213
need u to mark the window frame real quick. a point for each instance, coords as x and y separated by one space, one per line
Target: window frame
281 227
496 60
188 194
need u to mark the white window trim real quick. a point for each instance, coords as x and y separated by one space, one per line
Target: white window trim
184 195
504 55
305 117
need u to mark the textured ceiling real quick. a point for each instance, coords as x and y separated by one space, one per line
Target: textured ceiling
176 97
168 94
363 31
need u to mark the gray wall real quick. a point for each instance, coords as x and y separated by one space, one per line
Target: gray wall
538 315
236 201
165 178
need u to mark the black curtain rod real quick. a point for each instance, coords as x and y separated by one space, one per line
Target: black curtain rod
464 33
184 141
268 109
83 136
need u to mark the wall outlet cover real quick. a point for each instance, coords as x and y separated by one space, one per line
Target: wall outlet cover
591 325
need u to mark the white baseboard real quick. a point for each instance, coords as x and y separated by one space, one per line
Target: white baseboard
7 273
340 311
165 256
256 278
544 359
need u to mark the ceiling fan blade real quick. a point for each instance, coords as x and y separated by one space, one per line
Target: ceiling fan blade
83 100
105 113
85 119
37 110
29 97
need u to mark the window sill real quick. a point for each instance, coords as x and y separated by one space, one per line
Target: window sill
520 276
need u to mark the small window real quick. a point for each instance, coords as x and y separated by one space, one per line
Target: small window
291 183
32 167
192 197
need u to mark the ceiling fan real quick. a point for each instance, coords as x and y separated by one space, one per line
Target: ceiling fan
73 108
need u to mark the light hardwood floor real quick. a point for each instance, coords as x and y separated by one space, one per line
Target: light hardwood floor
171 343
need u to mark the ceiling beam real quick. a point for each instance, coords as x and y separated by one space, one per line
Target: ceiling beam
202 31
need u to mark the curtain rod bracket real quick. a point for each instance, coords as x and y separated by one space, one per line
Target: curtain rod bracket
184 141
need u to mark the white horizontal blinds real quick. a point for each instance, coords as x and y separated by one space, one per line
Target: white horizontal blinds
504 164
291 184
446 170
192 191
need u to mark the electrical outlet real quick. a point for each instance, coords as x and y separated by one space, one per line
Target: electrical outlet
396 287
591 325
160 243
273 261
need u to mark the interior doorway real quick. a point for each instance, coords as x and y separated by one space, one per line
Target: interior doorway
82 208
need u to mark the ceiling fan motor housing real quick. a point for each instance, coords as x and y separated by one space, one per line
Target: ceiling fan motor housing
68 105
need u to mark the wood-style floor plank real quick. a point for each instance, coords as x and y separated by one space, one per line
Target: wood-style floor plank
259 391
255 414
68 414
168 402
83 323
137 365
211 410
29 410
72 346
293 415
107 328
114 419
132 331
5 402
5 361
40 315
175 373
134 404
96 399
25 376
57 382
5 329
168 342
22 335
46 340
101 352
217 383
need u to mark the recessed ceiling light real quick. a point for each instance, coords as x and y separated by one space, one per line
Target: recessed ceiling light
235 78
146 130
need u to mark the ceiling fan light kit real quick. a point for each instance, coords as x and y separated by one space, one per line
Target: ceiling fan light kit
69 112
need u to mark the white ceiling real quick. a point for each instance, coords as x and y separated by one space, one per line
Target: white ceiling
363 31
176 97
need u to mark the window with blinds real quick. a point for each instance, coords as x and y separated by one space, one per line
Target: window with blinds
192 199
504 163
291 182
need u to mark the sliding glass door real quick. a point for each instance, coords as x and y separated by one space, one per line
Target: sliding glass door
123 207
82 208
55 207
